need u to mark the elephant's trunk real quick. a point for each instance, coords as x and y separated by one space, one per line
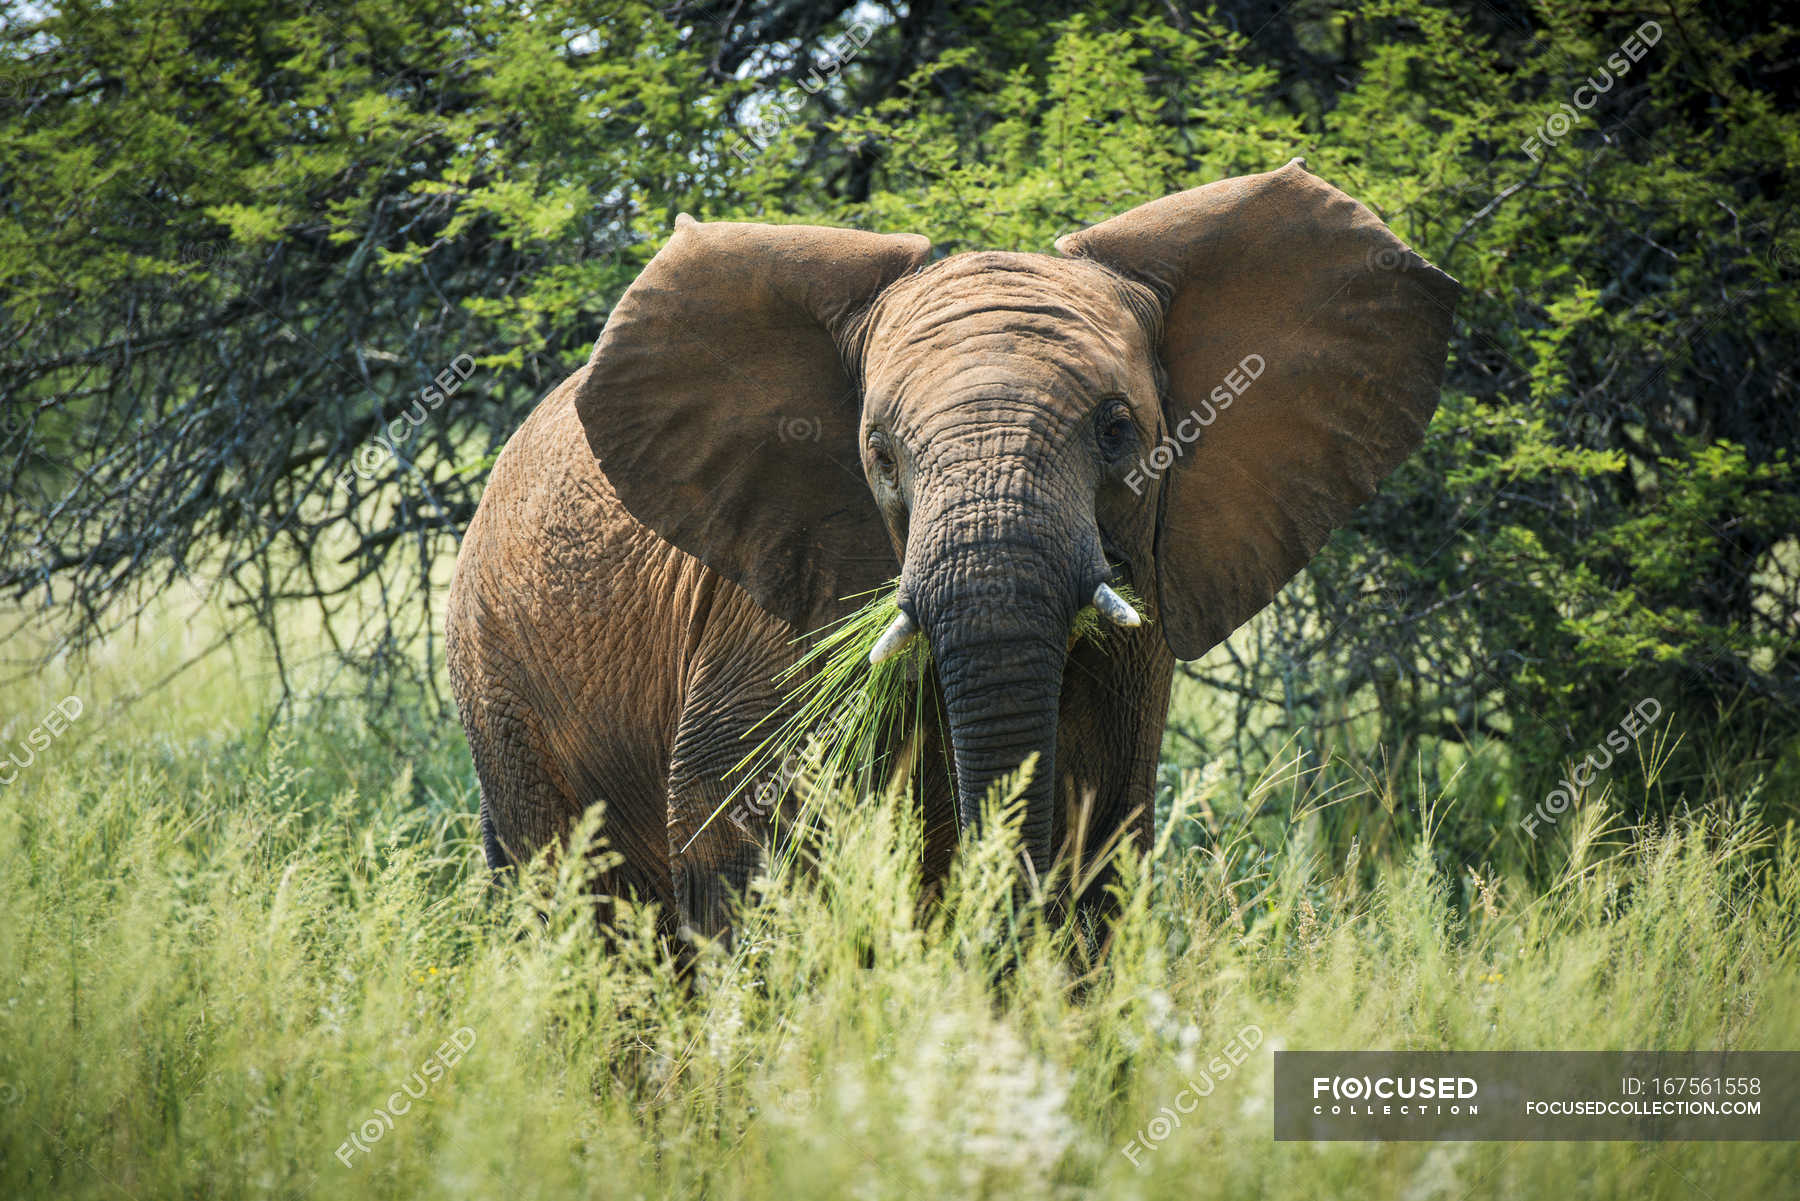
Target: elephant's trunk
996 605
1001 699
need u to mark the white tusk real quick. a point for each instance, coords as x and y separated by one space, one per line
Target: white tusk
1115 607
894 639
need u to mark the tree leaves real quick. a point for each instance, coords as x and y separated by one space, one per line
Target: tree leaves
236 239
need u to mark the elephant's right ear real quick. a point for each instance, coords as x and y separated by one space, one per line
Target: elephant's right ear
721 410
1303 344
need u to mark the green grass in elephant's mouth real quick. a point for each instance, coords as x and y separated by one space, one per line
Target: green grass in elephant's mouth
842 712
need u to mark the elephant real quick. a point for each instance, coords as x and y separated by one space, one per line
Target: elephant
1186 398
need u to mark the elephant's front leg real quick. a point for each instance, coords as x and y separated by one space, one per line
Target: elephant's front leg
1115 704
718 820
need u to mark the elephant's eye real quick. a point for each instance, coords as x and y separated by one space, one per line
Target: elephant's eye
1112 426
881 454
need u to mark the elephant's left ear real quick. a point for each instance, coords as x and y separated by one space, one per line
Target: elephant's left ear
722 411
1304 344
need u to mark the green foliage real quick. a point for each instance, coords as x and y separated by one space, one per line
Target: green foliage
235 240
1029 152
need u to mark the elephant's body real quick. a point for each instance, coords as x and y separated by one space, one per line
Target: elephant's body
553 571
777 418
676 665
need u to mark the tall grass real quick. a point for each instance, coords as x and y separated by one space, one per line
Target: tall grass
226 950
842 715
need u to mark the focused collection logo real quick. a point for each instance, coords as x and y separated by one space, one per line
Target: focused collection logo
1405 1096
1549 1096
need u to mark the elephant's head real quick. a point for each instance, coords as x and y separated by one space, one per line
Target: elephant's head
1189 398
